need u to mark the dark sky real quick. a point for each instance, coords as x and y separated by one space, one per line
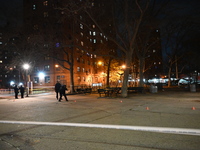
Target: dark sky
11 12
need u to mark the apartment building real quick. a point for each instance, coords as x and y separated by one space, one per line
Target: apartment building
68 38
61 34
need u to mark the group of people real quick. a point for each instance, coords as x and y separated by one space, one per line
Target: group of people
60 91
16 90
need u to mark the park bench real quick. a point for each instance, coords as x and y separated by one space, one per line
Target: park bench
84 90
101 91
109 92
136 89
116 91
87 90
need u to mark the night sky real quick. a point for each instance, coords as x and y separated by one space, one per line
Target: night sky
11 13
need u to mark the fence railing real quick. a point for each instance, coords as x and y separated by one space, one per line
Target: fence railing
6 91
34 91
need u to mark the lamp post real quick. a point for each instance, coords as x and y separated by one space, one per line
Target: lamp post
26 67
41 77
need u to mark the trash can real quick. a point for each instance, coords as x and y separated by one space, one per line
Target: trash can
160 86
192 88
153 89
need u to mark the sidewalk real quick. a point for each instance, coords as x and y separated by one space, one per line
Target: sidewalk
12 96
179 93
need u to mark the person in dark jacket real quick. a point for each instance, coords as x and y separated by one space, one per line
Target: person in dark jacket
63 93
16 90
22 89
57 88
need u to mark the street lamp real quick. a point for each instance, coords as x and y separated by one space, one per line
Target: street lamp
26 67
41 77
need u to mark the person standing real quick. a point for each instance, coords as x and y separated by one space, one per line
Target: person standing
63 93
57 88
16 90
22 89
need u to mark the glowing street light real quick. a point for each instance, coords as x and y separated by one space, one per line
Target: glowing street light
123 66
41 76
100 63
26 67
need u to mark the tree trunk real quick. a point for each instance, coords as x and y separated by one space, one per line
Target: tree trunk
141 71
126 75
72 79
169 76
108 73
72 71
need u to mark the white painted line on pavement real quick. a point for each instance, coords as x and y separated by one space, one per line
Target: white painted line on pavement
184 131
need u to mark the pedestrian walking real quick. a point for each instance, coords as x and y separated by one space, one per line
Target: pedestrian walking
22 89
57 88
63 93
16 90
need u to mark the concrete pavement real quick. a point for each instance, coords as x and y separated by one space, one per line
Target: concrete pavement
165 109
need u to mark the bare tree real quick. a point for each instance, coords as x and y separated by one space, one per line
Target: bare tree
174 35
120 22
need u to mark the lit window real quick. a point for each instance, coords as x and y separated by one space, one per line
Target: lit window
81 33
78 69
58 78
34 7
154 63
94 33
95 41
47 79
83 69
154 51
91 56
45 3
46 45
46 14
79 79
1 43
5 57
46 68
36 79
82 43
81 26
1 61
93 26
